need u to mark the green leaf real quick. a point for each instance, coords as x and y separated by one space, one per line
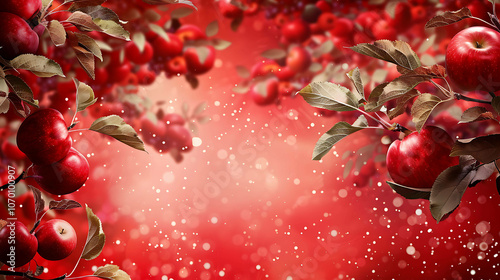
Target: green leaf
484 149
38 65
448 189
397 52
329 96
338 132
84 96
115 127
355 76
95 238
448 18
422 109
409 192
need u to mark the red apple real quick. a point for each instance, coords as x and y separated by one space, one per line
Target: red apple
265 92
17 36
168 48
199 59
418 159
56 240
21 249
264 67
343 27
169 119
65 176
326 21
190 32
136 56
176 66
384 30
179 137
296 31
43 136
473 59
25 9
229 10
298 59
145 76
152 129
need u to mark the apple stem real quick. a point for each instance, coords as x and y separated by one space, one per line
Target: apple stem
492 94
459 96
496 166
17 180
482 20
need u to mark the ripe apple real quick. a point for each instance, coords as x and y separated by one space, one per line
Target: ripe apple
169 119
152 129
43 136
296 31
24 249
176 66
229 10
145 76
326 21
17 36
382 29
265 92
167 48
137 56
25 9
179 137
199 59
418 159
264 67
190 32
65 176
298 59
473 59
56 240
343 27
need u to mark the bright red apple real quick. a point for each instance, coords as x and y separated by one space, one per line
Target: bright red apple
199 59
168 48
298 59
135 55
17 36
25 9
473 59
56 240
190 32
18 250
296 31
65 176
418 159
176 66
43 136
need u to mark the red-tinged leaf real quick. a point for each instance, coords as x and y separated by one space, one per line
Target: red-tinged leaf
64 204
21 89
39 202
483 172
433 72
397 52
97 12
409 192
57 32
475 114
112 28
422 109
89 44
83 22
84 3
448 189
338 132
448 18
86 60
3 223
21 108
401 104
484 149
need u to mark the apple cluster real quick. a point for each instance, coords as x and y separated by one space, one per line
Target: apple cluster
58 167
54 240
19 27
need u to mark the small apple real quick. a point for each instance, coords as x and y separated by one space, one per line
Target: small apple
298 59
23 250
229 10
264 67
169 119
65 176
418 159
296 31
265 92
199 59
56 240
145 76
190 32
17 36
382 29
168 48
179 137
43 136
136 56
473 59
176 66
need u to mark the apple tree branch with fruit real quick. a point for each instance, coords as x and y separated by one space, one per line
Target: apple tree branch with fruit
426 163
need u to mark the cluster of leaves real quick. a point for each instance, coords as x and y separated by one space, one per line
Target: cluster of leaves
477 155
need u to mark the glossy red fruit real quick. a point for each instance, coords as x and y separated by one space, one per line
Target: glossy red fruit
384 30
418 159
65 176
473 59
43 136
56 240
145 76
296 31
402 19
327 21
264 67
199 59
25 9
24 249
137 56
176 66
168 48
190 32
17 36
343 27
152 129
265 92
298 59
179 137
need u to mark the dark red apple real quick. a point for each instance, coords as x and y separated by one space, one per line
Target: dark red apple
17 36
145 76
17 245
65 176
56 240
473 59
418 159
229 10
25 9
199 59
43 136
